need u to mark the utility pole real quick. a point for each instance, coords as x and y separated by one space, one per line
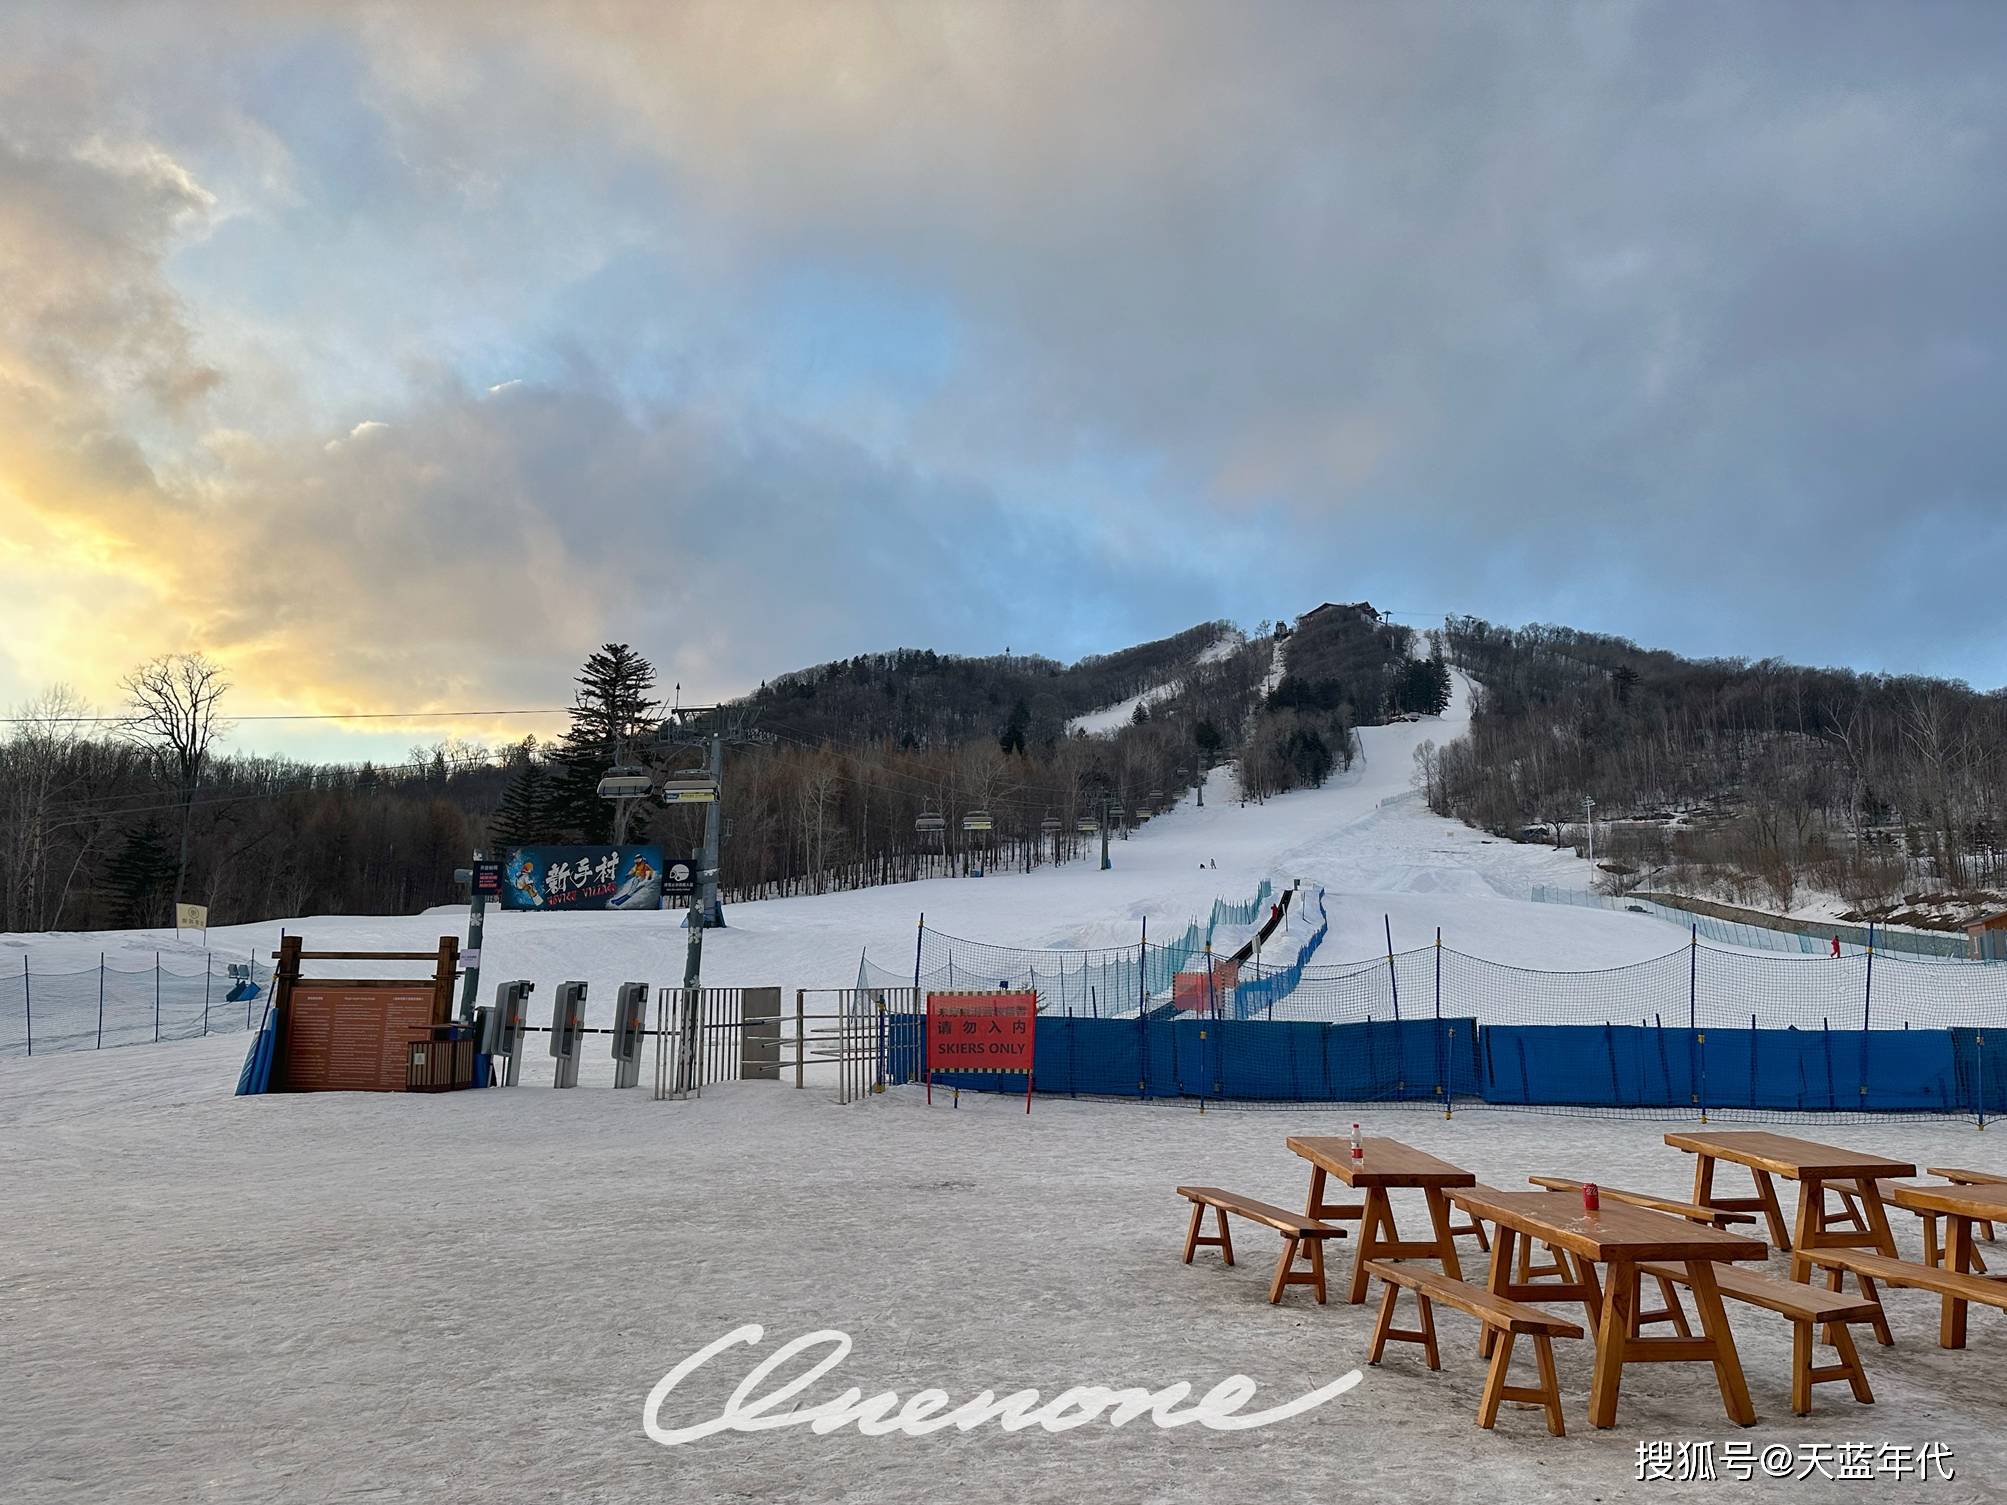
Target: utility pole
1589 819
470 957
693 971
1105 863
737 731
710 911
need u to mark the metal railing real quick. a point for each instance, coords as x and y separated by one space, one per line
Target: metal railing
849 1032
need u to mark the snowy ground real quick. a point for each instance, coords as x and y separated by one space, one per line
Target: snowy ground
345 1297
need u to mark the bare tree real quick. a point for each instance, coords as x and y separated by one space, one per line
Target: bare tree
34 766
174 713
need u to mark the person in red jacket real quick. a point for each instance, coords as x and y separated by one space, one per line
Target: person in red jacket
1836 945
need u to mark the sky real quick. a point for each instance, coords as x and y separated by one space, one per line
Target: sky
396 356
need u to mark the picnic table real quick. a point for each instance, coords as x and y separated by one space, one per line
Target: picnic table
1620 1237
1961 1206
1812 1166
1386 1165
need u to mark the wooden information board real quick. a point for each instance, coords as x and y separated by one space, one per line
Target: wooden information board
353 1039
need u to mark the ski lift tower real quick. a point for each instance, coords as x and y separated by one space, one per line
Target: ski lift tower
710 729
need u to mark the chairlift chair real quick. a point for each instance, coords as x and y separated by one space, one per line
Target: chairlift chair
625 781
1088 825
1050 825
689 791
978 820
929 822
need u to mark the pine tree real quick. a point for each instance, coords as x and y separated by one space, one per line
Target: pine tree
142 875
523 818
1439 686
1012 738
613 717
1207 736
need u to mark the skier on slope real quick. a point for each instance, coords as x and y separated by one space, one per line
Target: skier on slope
1836 946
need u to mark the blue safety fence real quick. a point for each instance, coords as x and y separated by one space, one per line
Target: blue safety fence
1697 1031
1156 1056
1458 1061
1100 982
1247 912
1817 940
180 996
1260 988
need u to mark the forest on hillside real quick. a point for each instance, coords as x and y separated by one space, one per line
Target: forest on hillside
1343 667
1748 781
844 759
110 820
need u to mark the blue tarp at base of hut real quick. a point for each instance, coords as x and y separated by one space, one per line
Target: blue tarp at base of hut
256 1075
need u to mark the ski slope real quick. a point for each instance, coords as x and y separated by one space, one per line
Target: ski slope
1365 837
1112 718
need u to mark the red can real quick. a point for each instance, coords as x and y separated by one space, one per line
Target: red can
1590 1200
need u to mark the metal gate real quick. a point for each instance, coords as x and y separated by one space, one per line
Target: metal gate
706 1035
852 1033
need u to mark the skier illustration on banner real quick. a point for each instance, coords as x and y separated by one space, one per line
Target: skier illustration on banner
640 889
523 880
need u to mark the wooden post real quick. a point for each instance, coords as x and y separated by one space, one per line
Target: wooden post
445 973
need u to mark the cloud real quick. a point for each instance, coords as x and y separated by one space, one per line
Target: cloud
415 349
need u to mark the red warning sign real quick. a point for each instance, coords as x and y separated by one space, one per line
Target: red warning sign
981 1032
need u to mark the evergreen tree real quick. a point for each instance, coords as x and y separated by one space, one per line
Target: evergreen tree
1421 685
1012 739
524 817
613 718
142 875
1309 754
1209 740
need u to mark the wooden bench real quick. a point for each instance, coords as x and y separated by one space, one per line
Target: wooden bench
1853 1215
1508 1319
1296 1230
1804 1306
1868 1267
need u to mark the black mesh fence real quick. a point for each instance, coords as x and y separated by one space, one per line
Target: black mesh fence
178 997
